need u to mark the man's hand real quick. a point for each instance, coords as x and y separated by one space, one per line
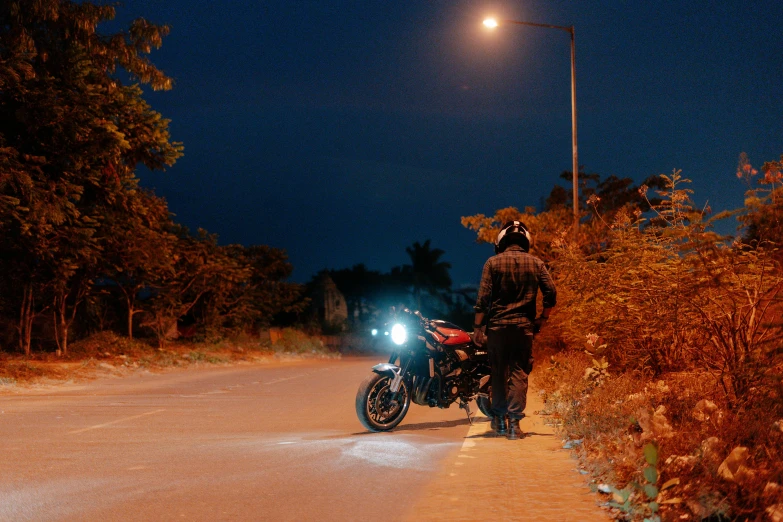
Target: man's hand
479 337
539 323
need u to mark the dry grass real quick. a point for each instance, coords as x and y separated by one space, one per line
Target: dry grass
108 353
616 419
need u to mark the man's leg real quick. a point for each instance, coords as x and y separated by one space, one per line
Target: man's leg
498 371
520 362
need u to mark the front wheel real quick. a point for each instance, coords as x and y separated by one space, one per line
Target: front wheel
378 408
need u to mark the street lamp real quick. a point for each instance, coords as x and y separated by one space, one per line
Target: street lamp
492 23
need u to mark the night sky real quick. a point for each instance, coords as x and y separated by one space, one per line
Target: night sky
344 131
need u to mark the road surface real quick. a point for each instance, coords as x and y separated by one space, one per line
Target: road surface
262 442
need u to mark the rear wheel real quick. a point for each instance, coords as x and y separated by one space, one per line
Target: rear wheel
378 408
485 403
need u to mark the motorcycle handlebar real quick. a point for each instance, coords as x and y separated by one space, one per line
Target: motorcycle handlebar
417 314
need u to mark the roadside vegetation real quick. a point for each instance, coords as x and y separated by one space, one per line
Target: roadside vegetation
110 354
664 359
83 248
90 258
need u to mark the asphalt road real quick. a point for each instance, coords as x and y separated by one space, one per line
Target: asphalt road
265 442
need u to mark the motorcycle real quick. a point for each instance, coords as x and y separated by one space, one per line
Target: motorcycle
433 363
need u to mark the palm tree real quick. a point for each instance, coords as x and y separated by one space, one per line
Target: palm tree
427 272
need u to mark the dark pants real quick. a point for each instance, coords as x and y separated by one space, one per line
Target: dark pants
511 356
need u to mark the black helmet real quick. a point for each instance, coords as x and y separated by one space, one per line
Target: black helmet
513 232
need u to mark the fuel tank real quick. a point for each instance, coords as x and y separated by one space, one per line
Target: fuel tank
450 334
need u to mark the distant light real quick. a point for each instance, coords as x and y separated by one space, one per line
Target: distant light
490 23
374 331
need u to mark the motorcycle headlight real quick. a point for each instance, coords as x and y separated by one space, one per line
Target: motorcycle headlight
398 334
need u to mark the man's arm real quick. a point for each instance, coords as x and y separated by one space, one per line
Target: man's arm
482 305
548 290
549 293
478 322
484 293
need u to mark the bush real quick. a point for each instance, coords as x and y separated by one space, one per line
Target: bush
691 325
693 428
298 342
668 294
107 342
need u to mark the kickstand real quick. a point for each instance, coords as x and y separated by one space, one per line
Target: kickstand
466 406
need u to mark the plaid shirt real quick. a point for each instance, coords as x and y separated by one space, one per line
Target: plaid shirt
509 286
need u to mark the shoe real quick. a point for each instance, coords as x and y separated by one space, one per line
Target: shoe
499 425
514 431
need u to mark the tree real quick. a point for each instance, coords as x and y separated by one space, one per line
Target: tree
426 273
250 291
226 306
138 248
175 292
601 200
606 195
549 229
762 218
270 293
71 135
359 286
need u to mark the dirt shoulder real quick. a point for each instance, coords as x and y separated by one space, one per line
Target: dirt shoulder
108 355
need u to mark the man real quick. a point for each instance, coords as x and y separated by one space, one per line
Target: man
506 307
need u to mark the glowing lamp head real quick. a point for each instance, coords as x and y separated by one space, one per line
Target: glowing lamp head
398 334
490 23
374 331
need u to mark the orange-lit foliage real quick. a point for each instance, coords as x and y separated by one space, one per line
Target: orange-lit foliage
693 328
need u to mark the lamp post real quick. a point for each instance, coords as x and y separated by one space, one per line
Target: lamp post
492 23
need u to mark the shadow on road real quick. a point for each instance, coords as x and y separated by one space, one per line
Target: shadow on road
407 427
422 426
492 435
431 425
419 427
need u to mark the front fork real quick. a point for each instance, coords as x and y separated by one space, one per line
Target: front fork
395 372
398 376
